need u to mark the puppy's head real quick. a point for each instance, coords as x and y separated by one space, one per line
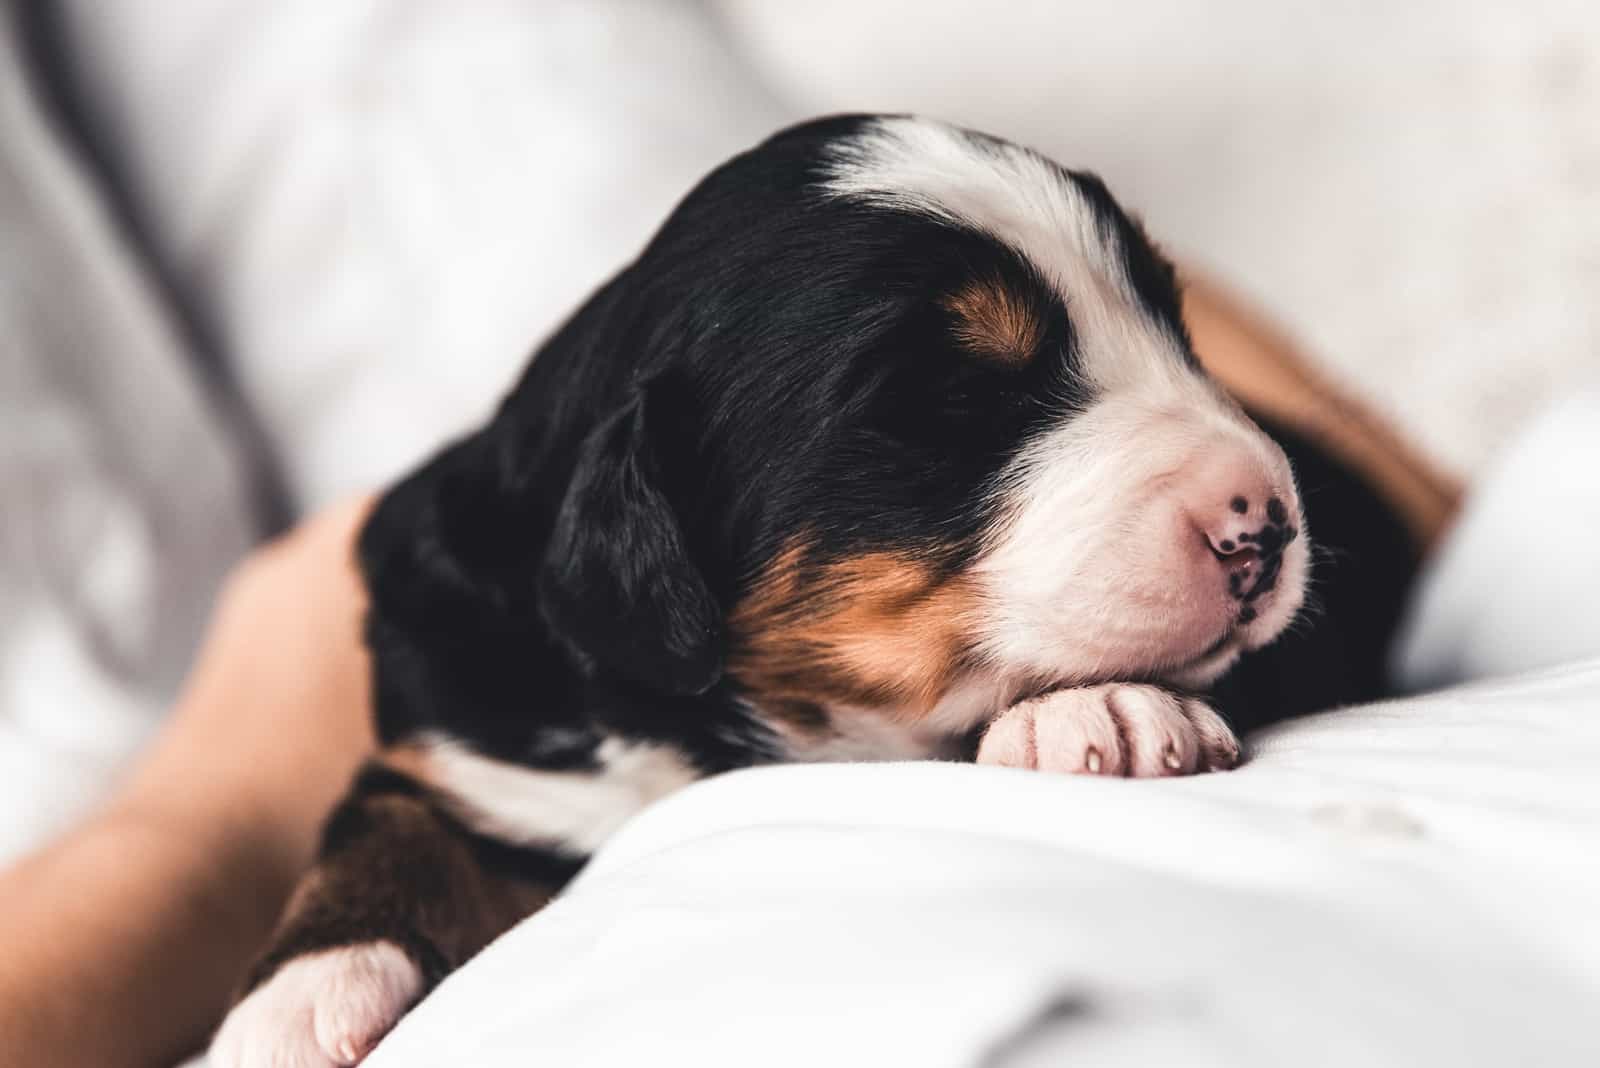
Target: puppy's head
894 407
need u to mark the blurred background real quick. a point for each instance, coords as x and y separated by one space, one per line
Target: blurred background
260 255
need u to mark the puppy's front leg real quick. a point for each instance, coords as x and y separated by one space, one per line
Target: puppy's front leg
401 895
1111 729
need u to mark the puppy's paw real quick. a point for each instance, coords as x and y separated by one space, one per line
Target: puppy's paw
321 1010
1113 729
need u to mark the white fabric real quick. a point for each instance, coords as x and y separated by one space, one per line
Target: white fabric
121 499
1515 584
1405 884
390 203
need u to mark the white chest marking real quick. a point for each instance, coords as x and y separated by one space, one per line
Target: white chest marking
577 809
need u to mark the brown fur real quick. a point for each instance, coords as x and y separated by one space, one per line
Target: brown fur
879 630
402 870
995 321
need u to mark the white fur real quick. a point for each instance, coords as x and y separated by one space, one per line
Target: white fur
864 734
578 809
1110 730
1095 571
1022 199
861 733
321 1010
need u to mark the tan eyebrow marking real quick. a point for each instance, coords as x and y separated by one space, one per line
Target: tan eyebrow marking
994 320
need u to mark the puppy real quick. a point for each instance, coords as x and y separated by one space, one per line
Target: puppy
891 444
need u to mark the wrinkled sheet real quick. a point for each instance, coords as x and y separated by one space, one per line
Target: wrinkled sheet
1403 884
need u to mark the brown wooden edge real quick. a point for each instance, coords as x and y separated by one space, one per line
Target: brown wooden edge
1263 369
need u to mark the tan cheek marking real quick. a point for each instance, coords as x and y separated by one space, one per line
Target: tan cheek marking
878 630
994 320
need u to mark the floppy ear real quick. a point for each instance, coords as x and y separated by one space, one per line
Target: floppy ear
617 584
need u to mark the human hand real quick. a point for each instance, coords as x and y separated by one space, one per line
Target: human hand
125 937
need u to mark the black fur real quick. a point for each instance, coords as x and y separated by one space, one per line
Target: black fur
774 360
1364 562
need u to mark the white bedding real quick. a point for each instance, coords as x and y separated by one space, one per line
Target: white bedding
1405 884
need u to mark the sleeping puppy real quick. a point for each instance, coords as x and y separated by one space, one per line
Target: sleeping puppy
891 444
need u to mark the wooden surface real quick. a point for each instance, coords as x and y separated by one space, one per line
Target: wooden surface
1263 369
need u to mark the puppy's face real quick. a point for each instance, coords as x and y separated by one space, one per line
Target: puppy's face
941 433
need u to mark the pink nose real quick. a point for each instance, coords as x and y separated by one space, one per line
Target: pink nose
1242 501
1247 535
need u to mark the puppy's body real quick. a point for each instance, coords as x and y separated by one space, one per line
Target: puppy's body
891 444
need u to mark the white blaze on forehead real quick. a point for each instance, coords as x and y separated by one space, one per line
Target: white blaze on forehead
1026 202
1083 575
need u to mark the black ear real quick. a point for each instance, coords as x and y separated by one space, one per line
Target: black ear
617 584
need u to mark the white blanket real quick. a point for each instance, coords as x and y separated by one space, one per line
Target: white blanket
1411 883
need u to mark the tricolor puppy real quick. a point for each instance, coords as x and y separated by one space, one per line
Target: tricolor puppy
891 444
